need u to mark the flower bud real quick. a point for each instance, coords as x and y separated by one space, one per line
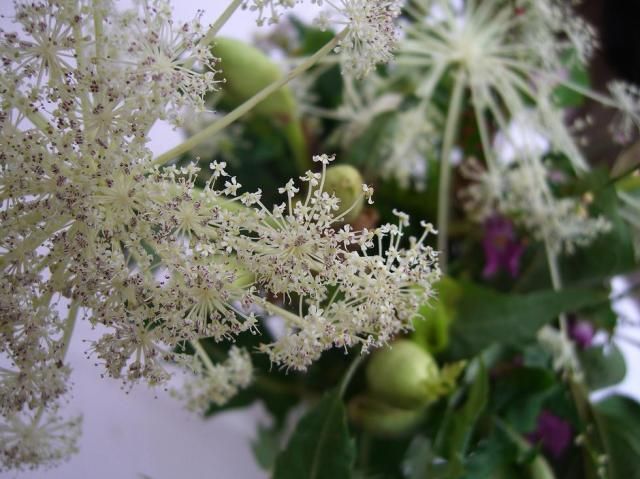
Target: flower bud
379 419
404 375
345 182
247 70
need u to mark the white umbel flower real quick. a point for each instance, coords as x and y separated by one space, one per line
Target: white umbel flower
372 34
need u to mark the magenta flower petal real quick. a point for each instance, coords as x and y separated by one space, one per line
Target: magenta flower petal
502 249
553 432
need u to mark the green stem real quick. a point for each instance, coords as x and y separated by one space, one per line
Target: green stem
450 133
283 313
348 375
247 105
578 390
68 328
556 281
200 351
66 341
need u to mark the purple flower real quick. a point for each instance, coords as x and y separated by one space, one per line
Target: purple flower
553 433
582 333
502 250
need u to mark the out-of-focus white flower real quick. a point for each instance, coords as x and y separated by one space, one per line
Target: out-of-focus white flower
371 36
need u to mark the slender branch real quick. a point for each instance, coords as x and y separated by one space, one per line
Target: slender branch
348 375
444 192
200 351
68 328
283 313
247 105
66 341
556 281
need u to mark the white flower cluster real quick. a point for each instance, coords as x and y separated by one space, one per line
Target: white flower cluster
159 262
213 383
563 352
372 33
268 10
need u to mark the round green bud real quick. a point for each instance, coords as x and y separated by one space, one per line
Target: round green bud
404 375
345 182
247 70
380 419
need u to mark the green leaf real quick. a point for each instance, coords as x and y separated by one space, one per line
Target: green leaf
484 316
455 434
609 254
421 461
494 458
265 446
566 97
320 446
519 396
618 420
603 366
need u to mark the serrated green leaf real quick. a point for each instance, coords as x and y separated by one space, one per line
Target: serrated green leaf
320 446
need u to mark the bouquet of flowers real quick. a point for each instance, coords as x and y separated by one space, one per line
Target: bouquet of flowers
444 330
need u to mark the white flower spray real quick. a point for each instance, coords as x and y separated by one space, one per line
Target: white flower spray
90 219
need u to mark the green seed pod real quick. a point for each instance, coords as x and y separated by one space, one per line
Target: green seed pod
345 182
247 71
404 375
380 419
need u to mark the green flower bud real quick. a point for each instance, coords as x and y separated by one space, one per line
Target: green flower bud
380 419
345 182
404 375
247 70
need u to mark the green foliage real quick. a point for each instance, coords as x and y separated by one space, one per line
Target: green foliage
618 420
265 446
484 316
236 59
460 421
611 253
566 97
518 396
320 446
603 366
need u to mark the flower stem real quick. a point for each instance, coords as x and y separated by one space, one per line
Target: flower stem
450 133
247 105
288 316
556 281
348 375
200 351
68 328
